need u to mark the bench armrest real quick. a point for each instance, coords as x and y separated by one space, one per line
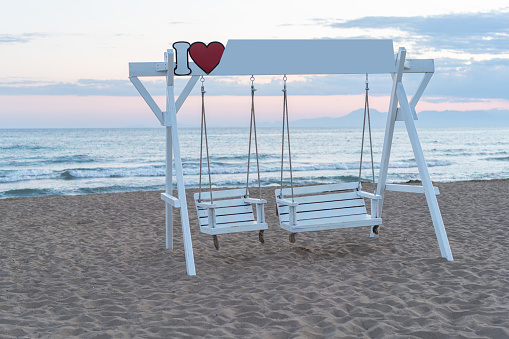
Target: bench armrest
368 195
206 205
287 202
255 201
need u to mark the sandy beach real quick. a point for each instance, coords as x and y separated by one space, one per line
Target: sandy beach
95 266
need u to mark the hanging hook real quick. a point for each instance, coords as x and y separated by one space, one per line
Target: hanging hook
284 83
367 82
202 79
252 83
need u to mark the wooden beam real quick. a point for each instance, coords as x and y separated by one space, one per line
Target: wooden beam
431 199
147 97
408 188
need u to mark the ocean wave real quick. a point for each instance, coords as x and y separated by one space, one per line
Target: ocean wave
19 147
28 192
159 171
120 172
498 158
25 174
80 158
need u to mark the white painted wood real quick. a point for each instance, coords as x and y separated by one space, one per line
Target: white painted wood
260 213
318 189
211 217
239 227
205 205
326 56
226 219
222 203
333 223
429 192
292 216
418 94
325 197
231 210
222 194
322 215
171 200
169 189
419 66
324 205
184 215
146 69
159 69
242 209
186 91
368 195
286 202
415 99
327 209
254 201
408 188
373 210
147 97
389 130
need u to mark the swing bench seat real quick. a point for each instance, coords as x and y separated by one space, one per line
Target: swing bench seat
324 207
230 212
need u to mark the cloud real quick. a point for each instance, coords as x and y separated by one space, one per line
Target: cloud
83 87
20 38
469 32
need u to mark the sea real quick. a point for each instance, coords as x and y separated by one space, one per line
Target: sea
40 162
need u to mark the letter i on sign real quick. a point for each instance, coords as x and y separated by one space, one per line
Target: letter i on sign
182 62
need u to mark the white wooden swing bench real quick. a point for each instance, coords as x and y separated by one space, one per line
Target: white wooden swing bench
230 211
324 207
311 208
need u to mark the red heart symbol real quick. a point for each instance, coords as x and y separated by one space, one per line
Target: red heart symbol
206 57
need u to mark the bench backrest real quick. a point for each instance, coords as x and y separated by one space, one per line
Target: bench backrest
231 208
323 201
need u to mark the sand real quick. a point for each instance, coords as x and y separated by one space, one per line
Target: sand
95 266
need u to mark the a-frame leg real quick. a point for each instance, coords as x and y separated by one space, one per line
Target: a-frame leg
170 121
389 134
431 199
169 187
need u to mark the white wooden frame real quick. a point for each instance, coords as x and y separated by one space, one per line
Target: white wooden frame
278 57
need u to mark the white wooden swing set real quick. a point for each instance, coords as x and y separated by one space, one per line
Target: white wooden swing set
300 209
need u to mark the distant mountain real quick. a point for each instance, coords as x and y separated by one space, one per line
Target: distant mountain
463 119
353 119
425 119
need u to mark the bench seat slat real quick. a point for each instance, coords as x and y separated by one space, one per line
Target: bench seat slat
222 194
324 205
229 202
228 219
326 214
332 223
303 190
237 227
324 197
203 212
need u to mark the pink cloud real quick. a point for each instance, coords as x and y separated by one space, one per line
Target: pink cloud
37 111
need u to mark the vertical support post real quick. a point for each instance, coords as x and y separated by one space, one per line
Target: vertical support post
170 121
429 191
374 209
169 186
389 132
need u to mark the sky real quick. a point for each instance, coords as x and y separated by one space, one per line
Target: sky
65 63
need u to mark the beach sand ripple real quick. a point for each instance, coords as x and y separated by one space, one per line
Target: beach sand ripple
95 266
